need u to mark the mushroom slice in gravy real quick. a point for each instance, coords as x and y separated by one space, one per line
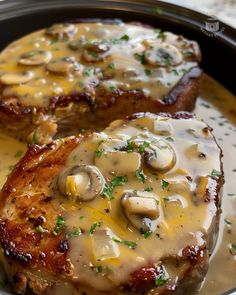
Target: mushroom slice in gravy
61 31
160 156
163 54
140 209
81 183
95 52
35 58
16 78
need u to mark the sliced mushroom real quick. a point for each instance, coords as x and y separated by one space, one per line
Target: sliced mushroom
16 78
115 160
61 31
95 52
162 127
35 58
163 54
103 245
81 183
62 66
160 156
141 211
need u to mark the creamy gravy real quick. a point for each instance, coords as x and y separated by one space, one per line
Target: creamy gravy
216 106
94 56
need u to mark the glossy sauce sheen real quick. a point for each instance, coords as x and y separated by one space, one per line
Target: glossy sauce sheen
117 63
214 97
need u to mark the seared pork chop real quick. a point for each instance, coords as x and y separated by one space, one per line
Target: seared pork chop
85 75
130 210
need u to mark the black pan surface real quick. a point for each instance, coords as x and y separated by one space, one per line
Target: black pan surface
21 17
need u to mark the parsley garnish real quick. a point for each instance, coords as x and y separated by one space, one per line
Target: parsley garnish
99 269
139 175
148 71
233 249
125 38
160 281
215 173
111 66
18 154
147 234
140 57
75 233
227 221
59 225
94 227
164 184
143 146
130 146
110 186
130 244
99 152
88 72
169 139
40 229
148 189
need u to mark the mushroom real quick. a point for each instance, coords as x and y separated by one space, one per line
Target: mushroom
95 52
114 158
103 245
16 78
61 31
62 66
81 182
141 210
160 156
163 54
35 58
162 127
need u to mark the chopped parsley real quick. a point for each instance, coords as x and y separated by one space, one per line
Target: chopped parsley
130 146
160 281
164 184
169 138
140 57
11 167
99 152
147 234
125 38
227 221
148 189
87 72
111 66
40 229
60 223
233 249
18 154
215 173
148 71
139 175
112 88
75 233
93 227
98 269
130 244
110 186
143 146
